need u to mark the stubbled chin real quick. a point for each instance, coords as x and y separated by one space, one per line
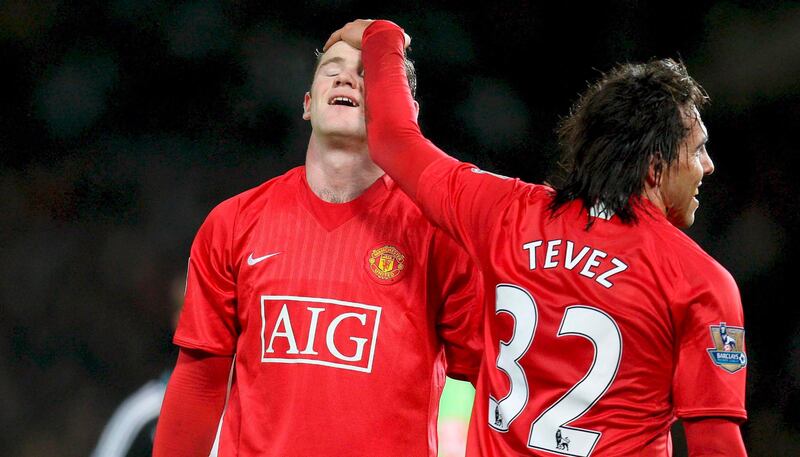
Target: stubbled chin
691 214
683 219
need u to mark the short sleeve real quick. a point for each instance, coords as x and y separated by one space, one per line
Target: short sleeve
457 286
711 359
208 318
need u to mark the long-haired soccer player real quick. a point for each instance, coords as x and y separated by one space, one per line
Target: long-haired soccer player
581 277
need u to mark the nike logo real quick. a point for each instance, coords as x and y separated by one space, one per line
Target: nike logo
254 260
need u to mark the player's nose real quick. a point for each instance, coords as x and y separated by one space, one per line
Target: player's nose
708 164
345 78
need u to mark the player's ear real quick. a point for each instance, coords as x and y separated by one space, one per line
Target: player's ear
416 111
652 180
307 106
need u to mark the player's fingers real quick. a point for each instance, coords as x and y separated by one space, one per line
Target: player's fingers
335 36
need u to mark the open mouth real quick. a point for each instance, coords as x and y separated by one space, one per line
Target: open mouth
343 101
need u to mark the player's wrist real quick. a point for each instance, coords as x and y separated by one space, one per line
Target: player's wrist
381 26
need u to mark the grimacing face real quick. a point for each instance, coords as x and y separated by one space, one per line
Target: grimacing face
681 181
335 103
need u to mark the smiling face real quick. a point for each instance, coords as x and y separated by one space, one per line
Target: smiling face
680 182
335 103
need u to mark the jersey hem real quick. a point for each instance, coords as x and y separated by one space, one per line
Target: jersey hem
462 372
692 414
188 344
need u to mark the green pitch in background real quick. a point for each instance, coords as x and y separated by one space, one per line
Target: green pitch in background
454 410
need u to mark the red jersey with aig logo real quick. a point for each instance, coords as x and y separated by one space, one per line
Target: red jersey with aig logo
343 319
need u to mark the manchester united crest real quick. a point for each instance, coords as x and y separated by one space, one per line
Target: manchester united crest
728 351
386 263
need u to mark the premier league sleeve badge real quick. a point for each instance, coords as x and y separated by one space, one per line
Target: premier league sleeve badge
728 351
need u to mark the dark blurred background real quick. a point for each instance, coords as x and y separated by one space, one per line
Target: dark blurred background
122 123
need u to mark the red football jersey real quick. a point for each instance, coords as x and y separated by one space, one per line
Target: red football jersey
343 319
595 340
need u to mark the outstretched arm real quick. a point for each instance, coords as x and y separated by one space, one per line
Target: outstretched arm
461 199
396 143
192 405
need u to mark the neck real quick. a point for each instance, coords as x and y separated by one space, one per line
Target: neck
653 193
339 171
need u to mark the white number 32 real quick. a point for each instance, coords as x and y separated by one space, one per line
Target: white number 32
549 431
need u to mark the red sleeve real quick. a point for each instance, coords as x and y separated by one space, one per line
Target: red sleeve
208 318
710 374
714 437
392 131
458 197
192 405
458 286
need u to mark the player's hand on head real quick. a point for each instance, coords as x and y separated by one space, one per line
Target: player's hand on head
352 33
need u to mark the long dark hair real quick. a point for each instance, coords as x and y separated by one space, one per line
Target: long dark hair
633 116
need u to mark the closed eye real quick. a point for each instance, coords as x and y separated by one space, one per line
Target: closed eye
332 66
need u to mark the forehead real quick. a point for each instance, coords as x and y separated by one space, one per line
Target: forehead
340 53
693 121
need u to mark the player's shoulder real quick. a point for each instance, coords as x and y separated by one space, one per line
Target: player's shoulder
693 261
539 193
281 185
696 278
252 201
519 186
531 199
